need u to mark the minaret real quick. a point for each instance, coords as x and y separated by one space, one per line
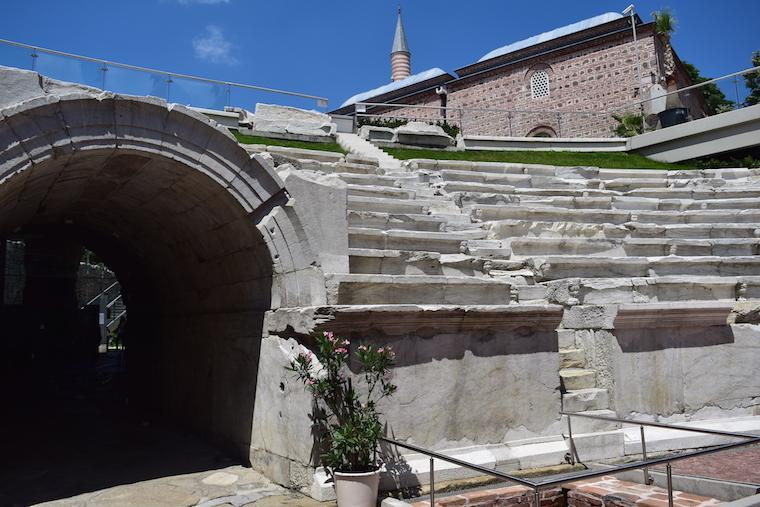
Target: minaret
401 65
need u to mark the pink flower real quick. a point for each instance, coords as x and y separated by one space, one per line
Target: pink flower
341 350
309 382
381 350
330 335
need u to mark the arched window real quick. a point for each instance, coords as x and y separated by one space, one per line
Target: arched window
539 84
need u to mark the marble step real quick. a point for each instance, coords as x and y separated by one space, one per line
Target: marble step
572 358
362 289
610 203
377 180
403 262
391 205
556 267
502 212
582 400
442 242
380 191
567 229
410 221
577 378
635 247
582 425
750 190
655 289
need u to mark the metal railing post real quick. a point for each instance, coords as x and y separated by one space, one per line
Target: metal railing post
670 484
229 94
559 124
509 118
461 122
536 498
34 56
169 82
432 482
103 69
736 91
647 477
573 452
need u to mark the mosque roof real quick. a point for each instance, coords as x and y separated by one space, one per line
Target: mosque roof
402 83
552 34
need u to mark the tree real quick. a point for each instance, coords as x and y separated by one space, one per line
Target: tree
752 80
664 26
715 101
629 125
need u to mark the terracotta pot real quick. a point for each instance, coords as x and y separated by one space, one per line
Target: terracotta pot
357 489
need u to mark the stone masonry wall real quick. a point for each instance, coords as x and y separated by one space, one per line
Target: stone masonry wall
584 81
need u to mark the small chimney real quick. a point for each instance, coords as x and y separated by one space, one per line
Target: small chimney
401 63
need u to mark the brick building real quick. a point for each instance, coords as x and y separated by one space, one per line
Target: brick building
563 83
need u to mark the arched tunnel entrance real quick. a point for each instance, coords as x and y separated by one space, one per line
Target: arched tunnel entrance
199 237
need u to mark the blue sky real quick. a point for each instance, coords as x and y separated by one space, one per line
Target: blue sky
332 48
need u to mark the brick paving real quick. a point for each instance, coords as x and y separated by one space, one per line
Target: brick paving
604 492
740 465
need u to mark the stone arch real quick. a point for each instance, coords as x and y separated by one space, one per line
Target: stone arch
201 234
542 131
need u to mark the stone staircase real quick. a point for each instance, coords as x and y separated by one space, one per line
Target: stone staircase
461 233
499 236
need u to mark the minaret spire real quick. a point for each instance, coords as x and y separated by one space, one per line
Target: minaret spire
401 65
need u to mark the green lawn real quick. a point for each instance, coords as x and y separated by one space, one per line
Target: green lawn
613 160
306 145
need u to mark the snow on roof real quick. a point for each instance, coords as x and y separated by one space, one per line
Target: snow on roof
553 34
414 78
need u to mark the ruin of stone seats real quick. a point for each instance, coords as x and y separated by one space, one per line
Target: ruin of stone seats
510 292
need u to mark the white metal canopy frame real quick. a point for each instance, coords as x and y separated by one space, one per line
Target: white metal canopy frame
321 101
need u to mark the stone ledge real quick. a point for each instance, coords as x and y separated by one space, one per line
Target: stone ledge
396 319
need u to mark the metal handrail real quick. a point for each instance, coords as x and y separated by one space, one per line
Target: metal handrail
162 72
113 301
538 485
104 291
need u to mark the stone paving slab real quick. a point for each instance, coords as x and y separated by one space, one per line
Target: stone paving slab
234 486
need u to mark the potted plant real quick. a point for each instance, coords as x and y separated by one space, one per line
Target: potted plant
675 112
346 414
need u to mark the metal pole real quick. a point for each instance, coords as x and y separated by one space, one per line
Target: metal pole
536 499
103 69
572 442
509 117
636 49
432 482
461 122
647 477
670 485
559 124
736 91
169 82
34 59
229 93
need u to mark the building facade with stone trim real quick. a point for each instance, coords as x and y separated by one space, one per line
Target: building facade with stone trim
566 86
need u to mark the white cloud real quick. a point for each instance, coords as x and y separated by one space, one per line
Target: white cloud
211 46
202 2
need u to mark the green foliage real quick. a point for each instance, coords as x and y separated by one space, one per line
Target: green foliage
715 100
269 141
629 125
392 123
611 160
346 418
714 163
752 81
664 22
